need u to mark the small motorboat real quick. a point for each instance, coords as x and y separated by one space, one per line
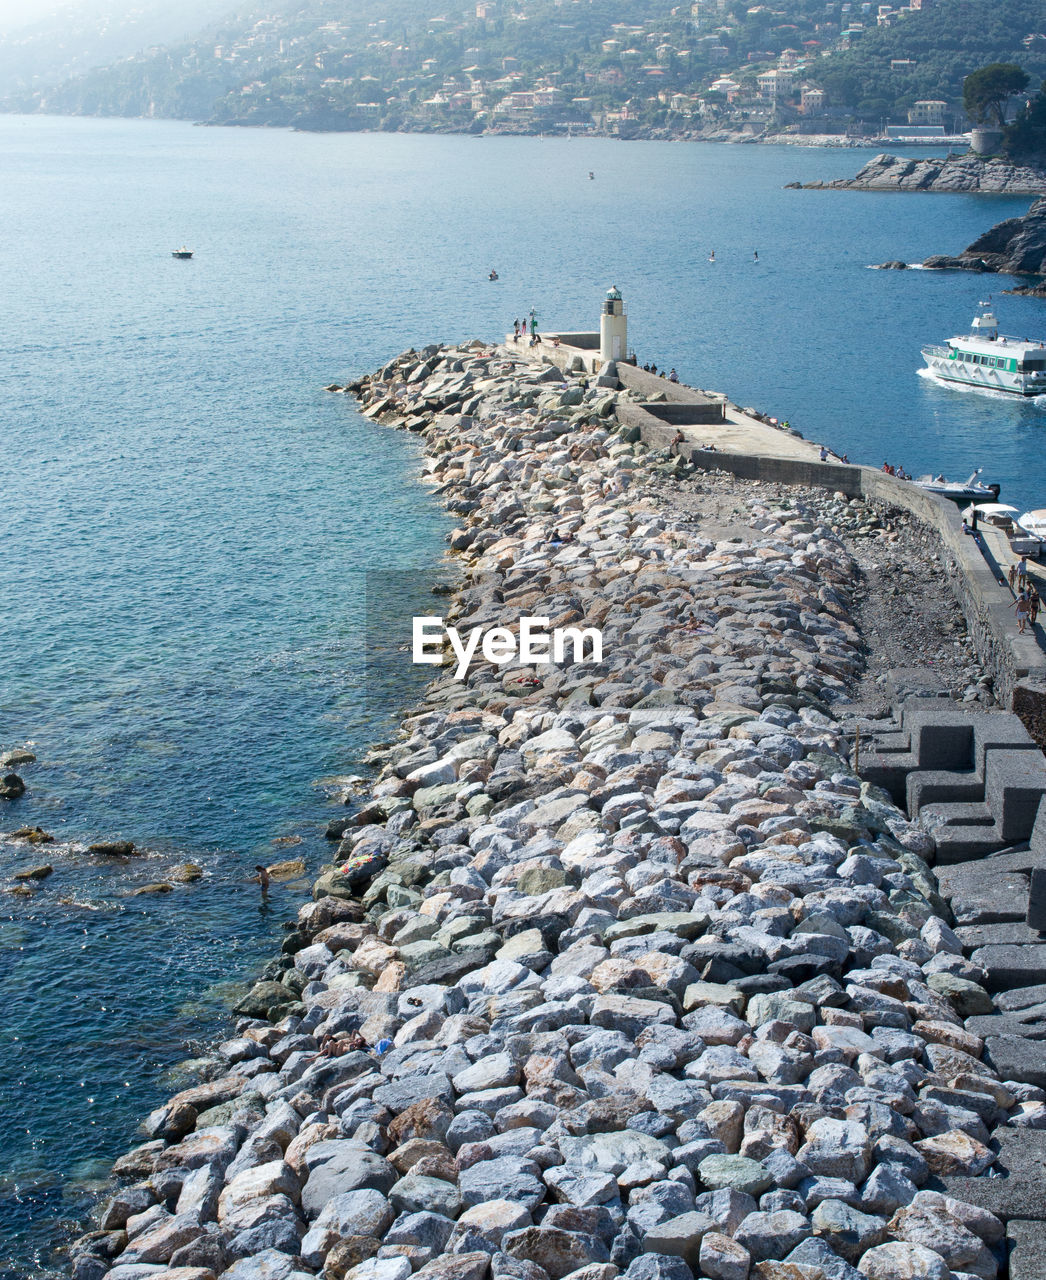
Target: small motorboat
999 514
958 490
181 253
1033 522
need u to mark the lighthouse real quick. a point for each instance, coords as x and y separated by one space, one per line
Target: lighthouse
613 327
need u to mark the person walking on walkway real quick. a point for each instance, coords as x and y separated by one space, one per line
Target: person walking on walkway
1022 572
1033 605
1022 607
1011 577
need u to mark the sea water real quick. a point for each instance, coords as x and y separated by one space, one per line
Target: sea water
188 519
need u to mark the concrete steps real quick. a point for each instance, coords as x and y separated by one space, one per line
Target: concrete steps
976 781
975 778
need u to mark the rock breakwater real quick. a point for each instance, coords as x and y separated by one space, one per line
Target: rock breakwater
952 173
619 969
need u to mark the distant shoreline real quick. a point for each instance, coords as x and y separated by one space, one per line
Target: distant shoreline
838 142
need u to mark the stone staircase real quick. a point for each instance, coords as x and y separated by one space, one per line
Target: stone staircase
975 778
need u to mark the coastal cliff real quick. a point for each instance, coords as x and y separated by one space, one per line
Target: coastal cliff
619 969
1016 246
954 173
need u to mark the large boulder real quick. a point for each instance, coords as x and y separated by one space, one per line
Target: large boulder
339 1166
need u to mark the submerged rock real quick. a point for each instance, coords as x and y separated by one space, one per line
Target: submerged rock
34 835
11 787
35 873
113 848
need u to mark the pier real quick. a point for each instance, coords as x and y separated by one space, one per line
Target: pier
751 448
675 963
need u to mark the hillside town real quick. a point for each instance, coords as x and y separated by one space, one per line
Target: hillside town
713 68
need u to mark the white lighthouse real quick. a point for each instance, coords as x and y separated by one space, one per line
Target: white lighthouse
613 327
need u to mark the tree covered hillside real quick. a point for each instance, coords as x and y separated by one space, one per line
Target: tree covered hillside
941 45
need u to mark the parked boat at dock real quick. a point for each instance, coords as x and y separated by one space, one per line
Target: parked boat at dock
959 490
1033 522
1000 514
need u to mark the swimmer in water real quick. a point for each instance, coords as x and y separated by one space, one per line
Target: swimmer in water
263 878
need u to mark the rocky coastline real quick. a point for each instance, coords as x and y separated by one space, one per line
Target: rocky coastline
619 969
1016 246
965 173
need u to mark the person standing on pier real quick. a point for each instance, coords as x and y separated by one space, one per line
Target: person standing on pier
1022 572
1022 607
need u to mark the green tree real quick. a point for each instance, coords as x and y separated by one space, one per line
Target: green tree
986 92
1026 136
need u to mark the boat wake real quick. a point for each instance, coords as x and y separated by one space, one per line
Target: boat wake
1037 402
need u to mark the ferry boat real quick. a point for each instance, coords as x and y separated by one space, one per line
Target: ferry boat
990 361
181 253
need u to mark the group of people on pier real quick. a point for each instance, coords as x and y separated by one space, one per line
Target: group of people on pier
519 329
899 472
1027 601
671 375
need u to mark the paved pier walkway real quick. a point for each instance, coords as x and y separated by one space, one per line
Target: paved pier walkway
750 448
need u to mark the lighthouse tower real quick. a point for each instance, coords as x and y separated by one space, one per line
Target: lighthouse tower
613 327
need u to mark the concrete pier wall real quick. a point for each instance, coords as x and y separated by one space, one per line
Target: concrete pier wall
1017 662
975 571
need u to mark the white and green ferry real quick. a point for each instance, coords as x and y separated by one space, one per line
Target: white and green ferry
990 361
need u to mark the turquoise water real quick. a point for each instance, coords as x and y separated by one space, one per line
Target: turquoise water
187 515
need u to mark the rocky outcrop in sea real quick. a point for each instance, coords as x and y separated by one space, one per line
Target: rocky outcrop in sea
1016 246
967 172
619 969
